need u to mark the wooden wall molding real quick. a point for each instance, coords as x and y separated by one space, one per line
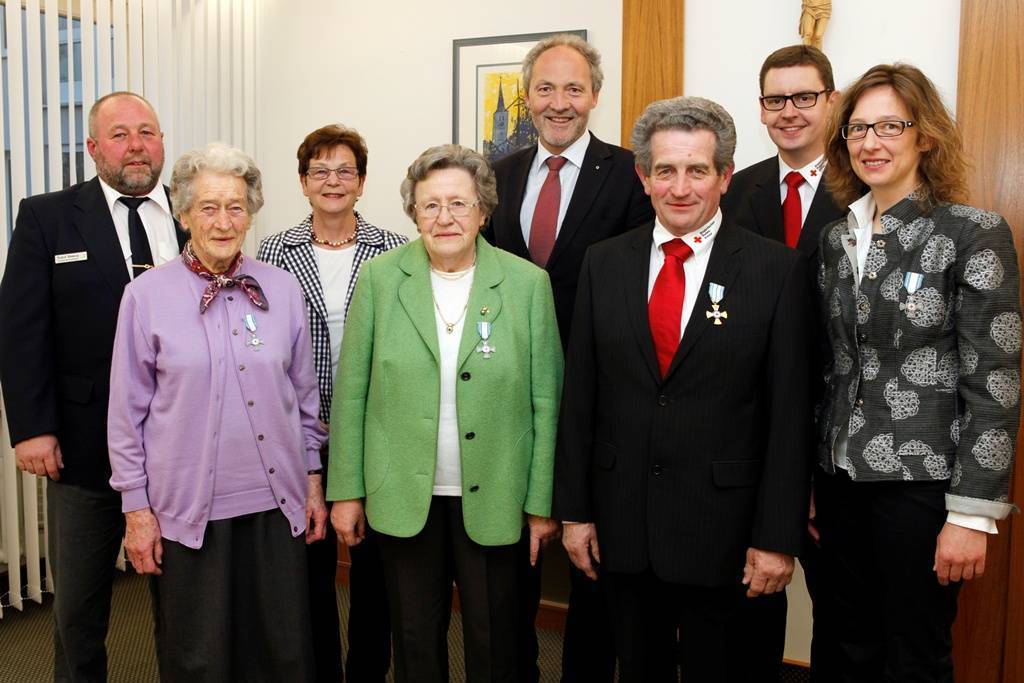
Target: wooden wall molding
989 632
652 56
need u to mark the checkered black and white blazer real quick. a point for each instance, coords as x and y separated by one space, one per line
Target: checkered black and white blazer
293 250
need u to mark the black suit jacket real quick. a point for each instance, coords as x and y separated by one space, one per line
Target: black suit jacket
608 199
683 474
58 325
753 203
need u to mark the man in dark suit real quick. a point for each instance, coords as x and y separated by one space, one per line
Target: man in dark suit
784 197
71 254
555 200
685 429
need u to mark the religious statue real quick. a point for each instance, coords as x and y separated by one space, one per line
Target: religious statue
813 21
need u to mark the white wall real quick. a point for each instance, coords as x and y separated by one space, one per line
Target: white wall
385 68
925 33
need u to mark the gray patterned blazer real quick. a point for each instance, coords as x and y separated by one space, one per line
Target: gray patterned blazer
293 250
925 363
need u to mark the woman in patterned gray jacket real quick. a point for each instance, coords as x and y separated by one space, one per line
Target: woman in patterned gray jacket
919 297
325 252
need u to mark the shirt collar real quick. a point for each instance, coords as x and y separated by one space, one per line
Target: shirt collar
574 152
699 240
863 212
157 195
812 172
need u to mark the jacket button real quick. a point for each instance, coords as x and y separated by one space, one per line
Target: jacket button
872 275
474 488
241 367
271 470
259 437
282 501
231 298
862 337
470 435
880 244
860 402
250 403
465 376
663 400
656 470
235 332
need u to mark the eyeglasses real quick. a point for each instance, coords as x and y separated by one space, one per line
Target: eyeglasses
457 208
321 173
800 100
883 129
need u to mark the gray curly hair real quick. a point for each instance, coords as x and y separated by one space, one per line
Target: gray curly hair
684 113
216 157
572 40
451 156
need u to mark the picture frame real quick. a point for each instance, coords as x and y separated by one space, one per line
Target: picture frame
489 112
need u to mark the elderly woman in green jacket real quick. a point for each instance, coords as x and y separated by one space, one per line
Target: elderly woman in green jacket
446 406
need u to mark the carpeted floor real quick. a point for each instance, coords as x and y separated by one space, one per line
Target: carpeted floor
26 654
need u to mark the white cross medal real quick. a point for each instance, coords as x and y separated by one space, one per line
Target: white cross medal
911 282
483 328
254 342
716 292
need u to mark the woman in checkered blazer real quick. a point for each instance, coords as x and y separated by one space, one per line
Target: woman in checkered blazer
325 252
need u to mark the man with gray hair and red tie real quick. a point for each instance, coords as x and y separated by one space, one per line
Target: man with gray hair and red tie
555 199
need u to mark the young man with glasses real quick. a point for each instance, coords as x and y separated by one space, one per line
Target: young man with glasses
783 197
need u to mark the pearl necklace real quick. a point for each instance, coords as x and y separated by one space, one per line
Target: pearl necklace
329 243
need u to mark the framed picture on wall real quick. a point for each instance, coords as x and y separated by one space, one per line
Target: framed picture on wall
489 111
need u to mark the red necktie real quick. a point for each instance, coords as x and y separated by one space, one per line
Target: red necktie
545 215
792 210
665 308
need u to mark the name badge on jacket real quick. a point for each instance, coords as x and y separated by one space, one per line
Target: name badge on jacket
71 257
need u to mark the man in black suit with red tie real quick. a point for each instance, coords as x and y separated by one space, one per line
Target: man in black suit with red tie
555 199
685 432
785 198
72 253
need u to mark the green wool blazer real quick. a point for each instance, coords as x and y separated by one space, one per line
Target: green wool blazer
384 418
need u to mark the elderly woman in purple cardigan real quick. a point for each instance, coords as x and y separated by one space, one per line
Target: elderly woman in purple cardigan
215 441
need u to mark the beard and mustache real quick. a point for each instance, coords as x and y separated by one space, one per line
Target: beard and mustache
128 179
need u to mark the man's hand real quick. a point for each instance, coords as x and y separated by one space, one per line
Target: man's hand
959 553
316 510
142 541
40 455
542 530
349 521
580 541
766 572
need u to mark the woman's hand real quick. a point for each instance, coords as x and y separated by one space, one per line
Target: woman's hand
349 521
542 530
316 510
142 541
959 553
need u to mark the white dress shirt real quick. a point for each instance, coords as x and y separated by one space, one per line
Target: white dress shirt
700 240
568 176
812 173
156 219
863 211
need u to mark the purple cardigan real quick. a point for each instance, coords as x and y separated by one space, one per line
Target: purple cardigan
168 368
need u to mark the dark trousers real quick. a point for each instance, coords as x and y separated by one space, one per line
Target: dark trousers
369 625
588 654
85 531
369 619
236 609
888 618
420 571
714 634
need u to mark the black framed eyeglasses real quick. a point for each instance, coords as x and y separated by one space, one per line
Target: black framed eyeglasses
800 100
883 129
321 173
